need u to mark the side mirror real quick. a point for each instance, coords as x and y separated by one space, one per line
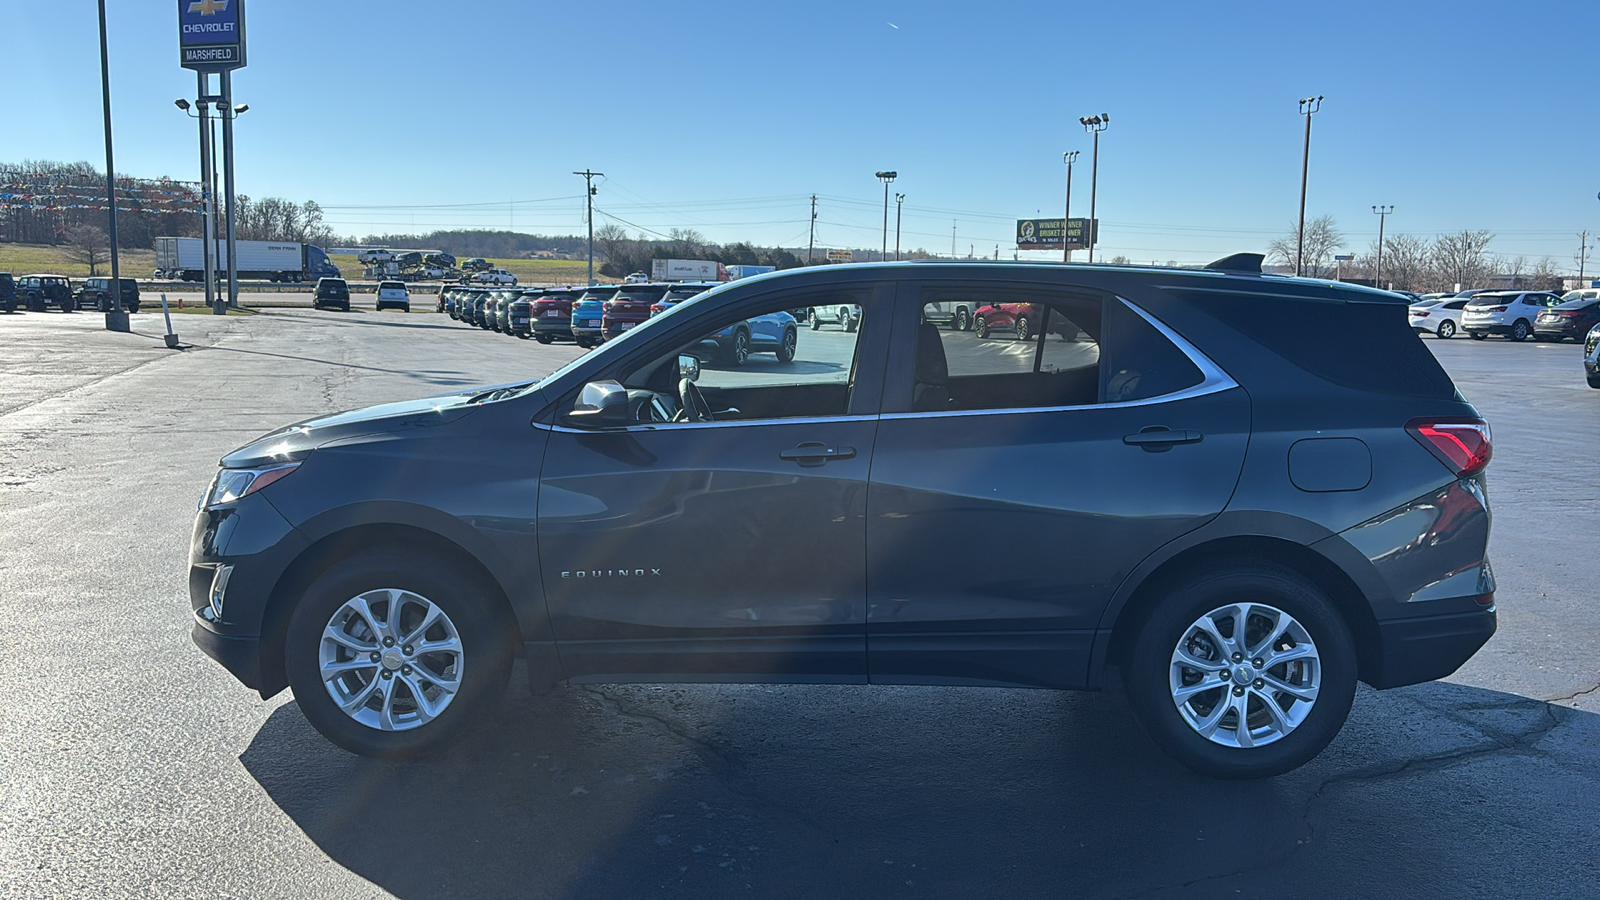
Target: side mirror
602 402
689 367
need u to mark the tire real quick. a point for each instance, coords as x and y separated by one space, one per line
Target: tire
1271 745
1478 335
1594 380
585 343
981 326
962 321
786 347
1447 330
847 322
345 307
811 316
132 307
739 353
1519 331
1024 328
69 305
476 649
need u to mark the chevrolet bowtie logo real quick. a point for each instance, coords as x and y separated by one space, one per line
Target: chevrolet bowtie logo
208 7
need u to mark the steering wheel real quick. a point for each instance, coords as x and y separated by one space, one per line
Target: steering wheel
695 407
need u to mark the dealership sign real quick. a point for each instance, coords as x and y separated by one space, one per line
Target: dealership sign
211 34
841 255
1047 234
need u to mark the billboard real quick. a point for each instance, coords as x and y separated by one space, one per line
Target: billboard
211 34
1047 234
840 255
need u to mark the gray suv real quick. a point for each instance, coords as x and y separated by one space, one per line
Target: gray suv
1165 478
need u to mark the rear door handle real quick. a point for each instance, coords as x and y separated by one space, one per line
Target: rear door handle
815 453
1157 438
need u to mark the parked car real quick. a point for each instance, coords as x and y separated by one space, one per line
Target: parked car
1440 317
96 293
8 293
588 315
774 333
1018 320
550 314
1572 318
472 312
844 315
444 289
636 278
495 276
1241 522
393 295
40 292
1591 356
476 264
522 313
630 306
331 292
1507 313
502 311
956 314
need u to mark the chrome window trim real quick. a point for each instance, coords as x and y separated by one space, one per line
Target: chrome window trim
686 426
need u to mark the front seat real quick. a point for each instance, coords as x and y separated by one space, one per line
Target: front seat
932 393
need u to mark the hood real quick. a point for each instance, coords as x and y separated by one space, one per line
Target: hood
294 442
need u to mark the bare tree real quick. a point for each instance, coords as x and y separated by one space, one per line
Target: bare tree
88 244
1518 270
1322 238
1462 259
1405 263
686 243
1544 276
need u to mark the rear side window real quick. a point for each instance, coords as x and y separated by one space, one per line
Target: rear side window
1366 346
1140 362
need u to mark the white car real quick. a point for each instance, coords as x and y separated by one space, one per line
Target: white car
1508 313
495 276
846 316
1441 317
393 294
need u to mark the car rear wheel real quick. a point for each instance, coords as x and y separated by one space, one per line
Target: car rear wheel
785 350
390 653
1245 670
1478 335
1519 331
962 321
1447 329
811 316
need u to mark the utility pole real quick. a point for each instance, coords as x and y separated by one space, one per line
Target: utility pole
1069 158
116 317
1308 108
1382 213
1094 125
588 199
899 203
1583 254
811 245
952 238
885 177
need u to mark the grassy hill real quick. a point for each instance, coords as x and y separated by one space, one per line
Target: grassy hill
30 259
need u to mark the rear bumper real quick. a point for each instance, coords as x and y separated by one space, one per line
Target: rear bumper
1486 327
1560 331
1430 647
557 327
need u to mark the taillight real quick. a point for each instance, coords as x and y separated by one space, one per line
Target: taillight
1461 444
1420 314
1496 309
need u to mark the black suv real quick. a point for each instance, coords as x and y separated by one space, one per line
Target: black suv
1165 477
332 292
8 292
96 292
40 292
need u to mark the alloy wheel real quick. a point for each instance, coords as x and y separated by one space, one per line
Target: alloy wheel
1245 675
391 659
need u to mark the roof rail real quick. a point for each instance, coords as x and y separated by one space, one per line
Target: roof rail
1239 262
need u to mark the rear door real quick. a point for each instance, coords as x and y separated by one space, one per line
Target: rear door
1015 483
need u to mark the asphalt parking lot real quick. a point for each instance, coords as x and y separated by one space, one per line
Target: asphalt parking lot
132 766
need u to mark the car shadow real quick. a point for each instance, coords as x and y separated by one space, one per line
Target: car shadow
781 791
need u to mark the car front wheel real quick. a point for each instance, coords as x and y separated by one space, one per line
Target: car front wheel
1478 335
1447 329
1244 670
811 316
739 351
390 653
981 326
961 322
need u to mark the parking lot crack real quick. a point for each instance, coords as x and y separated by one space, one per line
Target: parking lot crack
1571 697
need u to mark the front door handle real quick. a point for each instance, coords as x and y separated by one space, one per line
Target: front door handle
815 453
1160 438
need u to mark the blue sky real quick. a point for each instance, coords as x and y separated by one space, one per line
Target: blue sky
726 117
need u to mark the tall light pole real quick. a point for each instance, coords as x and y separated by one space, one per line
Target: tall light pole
899 203
116 317
1069 157
227 113
588 199
1308 108
208 224
1094 125
1382 213
886 177
811 244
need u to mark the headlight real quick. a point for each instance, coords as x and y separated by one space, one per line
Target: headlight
232 484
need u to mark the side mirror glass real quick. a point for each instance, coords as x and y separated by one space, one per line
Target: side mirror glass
602 402
689 367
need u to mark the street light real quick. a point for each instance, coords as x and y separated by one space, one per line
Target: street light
1094 125
1308 108
208 238
899 203
116 316
1382 212
886 177
1070 157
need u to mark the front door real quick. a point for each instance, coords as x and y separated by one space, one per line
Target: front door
731 548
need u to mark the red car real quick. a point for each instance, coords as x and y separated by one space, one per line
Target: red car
1021 320
551 316
630 306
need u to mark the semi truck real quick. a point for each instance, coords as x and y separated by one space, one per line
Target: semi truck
737 272
183 258
687 270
